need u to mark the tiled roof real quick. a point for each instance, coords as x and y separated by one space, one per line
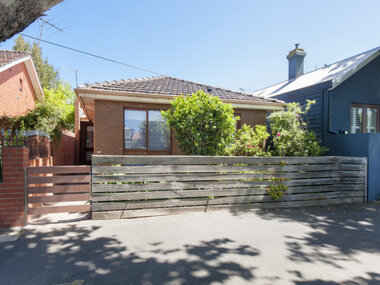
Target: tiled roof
336 72
7 56
166 85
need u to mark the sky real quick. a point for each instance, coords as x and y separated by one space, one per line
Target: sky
229 44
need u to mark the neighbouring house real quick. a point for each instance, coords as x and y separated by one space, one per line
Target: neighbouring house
20 89
346 115
19 84
123 117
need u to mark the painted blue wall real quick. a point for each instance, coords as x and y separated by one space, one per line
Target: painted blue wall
314 116
332 114
365 145
363 87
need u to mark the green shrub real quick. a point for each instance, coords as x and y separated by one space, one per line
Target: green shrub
278 189
203 124
251 142
290 134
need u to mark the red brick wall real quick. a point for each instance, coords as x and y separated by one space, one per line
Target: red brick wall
64 153
15 159
13 101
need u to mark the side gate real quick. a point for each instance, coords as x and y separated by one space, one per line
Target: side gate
57 189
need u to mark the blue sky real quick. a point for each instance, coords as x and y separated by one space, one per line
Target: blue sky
230 44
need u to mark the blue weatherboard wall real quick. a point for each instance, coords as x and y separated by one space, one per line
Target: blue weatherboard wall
332 114
314 116
363 87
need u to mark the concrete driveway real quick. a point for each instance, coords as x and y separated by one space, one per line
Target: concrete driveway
319 245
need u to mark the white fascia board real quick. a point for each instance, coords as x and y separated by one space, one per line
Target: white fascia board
348 74
13 63
141 99
34 78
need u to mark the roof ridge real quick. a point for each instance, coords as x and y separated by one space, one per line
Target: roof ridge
207 85
15 51
125 80
319 69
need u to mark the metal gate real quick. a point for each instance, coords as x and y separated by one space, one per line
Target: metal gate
57 189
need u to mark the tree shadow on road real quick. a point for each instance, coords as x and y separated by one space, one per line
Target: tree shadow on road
74 252
373 279
337 234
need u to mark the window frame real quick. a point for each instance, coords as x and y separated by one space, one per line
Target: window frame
146 150
364 119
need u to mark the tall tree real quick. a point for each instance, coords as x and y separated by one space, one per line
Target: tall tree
47 74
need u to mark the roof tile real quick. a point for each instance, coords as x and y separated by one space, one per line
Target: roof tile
166 85
7 56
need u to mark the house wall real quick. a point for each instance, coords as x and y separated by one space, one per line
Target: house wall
13 101
109 122
332 114
314 116
363 87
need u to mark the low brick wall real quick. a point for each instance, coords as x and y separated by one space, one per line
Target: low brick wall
15 159
12 199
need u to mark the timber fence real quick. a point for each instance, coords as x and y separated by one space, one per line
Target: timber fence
140 186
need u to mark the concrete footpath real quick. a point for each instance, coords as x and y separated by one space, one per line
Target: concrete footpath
318 245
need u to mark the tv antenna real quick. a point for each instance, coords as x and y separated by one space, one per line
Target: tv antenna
73 70
42 27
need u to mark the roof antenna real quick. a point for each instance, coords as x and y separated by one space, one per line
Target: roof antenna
42 26
74 70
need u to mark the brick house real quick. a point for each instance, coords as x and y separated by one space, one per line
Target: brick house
116 115
19 84
20 89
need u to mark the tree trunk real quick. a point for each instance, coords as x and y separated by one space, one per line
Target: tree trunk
16 15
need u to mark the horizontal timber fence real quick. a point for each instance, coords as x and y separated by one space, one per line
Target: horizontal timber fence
140 186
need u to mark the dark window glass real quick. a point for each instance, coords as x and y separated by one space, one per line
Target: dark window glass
159 134
135 129
89 136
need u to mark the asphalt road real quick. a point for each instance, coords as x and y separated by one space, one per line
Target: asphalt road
318 245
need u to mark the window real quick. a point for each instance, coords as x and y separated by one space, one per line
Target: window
145 131
364 118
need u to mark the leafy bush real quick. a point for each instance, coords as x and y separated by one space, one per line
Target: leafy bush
278 189
250 142
290 134
203 124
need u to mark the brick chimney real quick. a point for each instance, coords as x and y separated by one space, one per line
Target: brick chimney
295 58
